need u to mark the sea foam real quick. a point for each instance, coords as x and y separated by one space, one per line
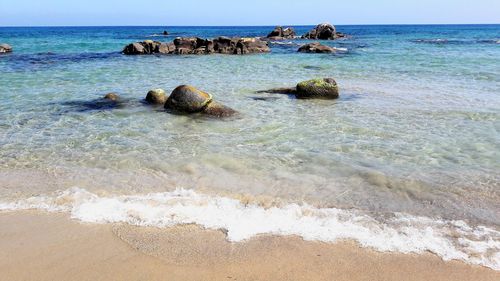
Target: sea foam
451 240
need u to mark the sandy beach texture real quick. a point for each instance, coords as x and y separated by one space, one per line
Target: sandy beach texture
41 246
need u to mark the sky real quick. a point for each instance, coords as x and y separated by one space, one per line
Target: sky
240 13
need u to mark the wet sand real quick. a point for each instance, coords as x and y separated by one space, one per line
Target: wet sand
41 246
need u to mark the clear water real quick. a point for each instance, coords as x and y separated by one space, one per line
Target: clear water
416 130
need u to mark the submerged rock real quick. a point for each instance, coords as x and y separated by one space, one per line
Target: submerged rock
5 48
286 91
324 31
156 96
111 97
325 88
216 109
316 48
199 46
282 33
188 99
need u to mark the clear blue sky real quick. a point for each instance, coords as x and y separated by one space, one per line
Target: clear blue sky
237 12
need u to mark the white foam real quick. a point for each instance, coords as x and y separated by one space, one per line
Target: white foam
451 240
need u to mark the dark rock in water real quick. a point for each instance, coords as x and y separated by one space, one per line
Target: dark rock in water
165 32
188 99
316 48
112 97
282 33
324 31
5 48
156 96
286 91
199 46
148 47
325 88
216 109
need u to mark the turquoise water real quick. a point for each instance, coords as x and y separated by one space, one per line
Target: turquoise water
416 130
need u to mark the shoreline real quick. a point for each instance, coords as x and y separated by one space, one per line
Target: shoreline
67 249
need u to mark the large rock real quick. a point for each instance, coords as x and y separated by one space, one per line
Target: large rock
188 99
156 96
316 48
282 33
324 31
325 88
5 48
199 46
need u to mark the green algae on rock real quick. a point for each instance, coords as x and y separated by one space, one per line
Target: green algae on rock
321 88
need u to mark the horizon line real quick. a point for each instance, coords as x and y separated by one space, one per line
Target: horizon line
266 25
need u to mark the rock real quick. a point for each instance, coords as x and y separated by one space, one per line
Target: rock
282 33
112 97
188 99
216 109
156 96
5 48
318 88
324 31
199 46
165 33
251 46
316 48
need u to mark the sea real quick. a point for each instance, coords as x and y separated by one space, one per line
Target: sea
406 160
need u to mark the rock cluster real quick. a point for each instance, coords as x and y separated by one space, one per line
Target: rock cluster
316 48
324 31
282 33
195 45
5 48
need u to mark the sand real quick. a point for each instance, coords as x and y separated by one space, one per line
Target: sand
42 246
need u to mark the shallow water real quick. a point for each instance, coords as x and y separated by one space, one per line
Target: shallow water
416 130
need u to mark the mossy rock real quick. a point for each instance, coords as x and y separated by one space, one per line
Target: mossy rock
188 99
323 88
156 96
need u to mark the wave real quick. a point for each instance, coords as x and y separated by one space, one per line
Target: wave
451 240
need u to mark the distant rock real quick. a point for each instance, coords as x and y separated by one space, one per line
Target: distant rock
165 33
5 48
111 97
156 96
325 88
324 31
282 33
188 99
199 46
316 48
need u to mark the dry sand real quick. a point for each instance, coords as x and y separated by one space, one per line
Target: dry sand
41 246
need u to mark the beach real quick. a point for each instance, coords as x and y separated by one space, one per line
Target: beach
221 153
68 250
